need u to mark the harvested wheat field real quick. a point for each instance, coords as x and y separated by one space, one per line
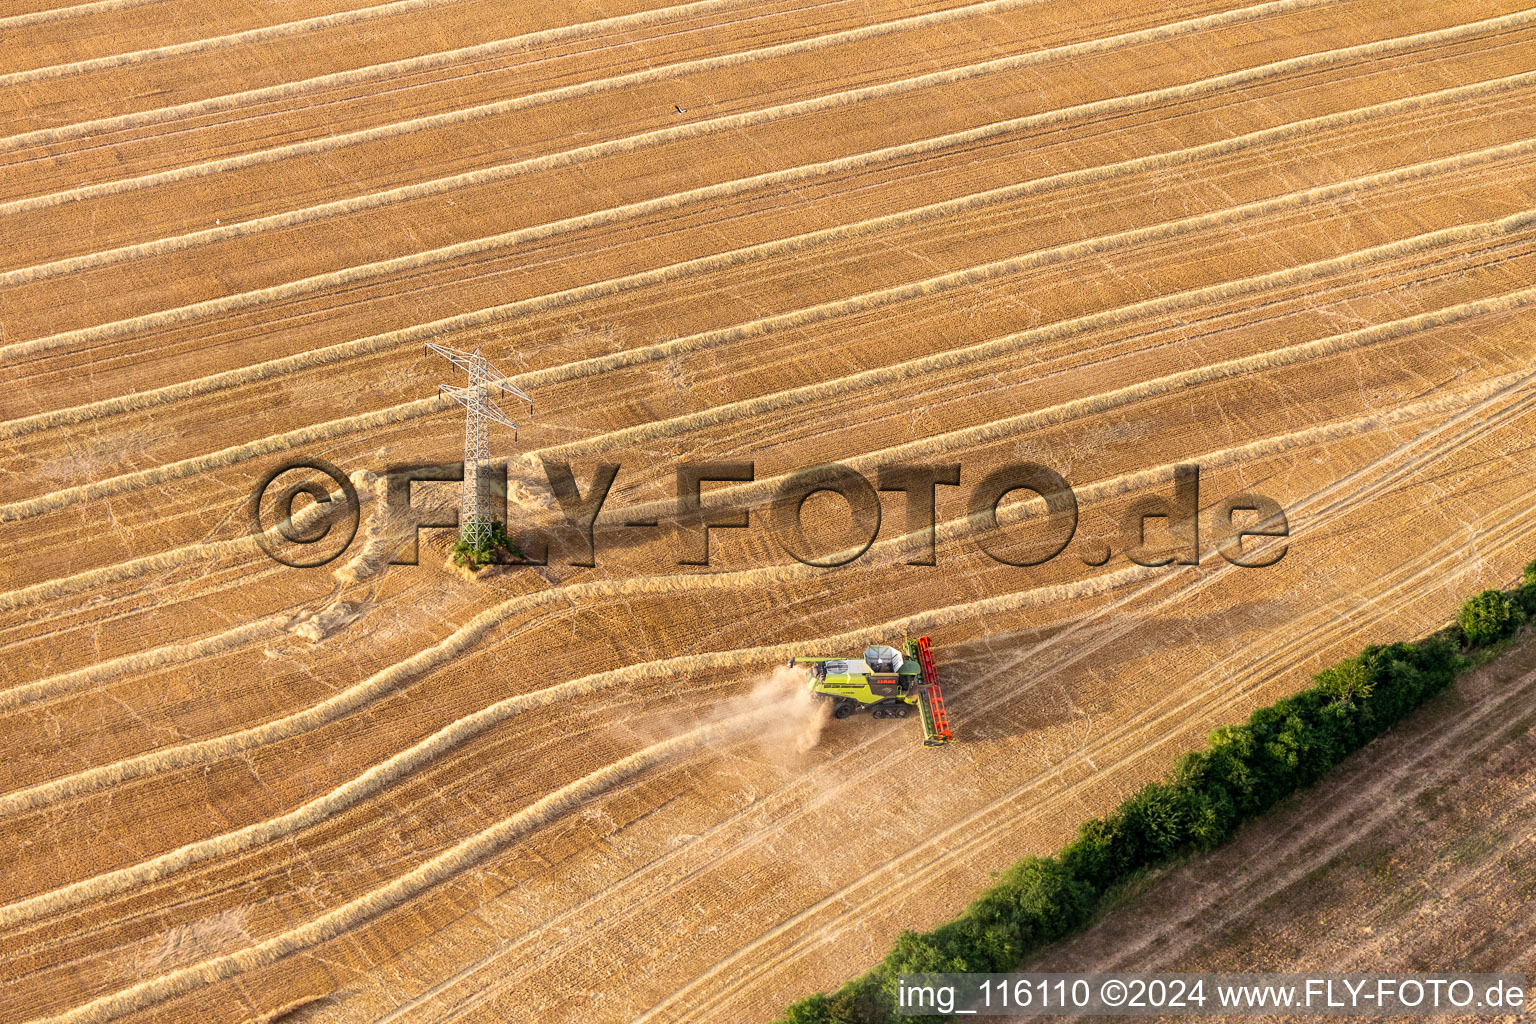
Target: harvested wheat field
1293 243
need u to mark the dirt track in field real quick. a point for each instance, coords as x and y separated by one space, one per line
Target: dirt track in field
1294 242
1415 856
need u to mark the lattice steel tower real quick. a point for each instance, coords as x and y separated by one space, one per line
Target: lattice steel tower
479 407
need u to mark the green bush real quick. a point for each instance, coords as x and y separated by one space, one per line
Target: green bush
1098 856
1525 594
1243 770
1489 617
812 1010
1348 681
478 557
465 553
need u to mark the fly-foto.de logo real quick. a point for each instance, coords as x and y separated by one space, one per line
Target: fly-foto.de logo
1245 529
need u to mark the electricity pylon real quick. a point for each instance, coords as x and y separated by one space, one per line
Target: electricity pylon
474 521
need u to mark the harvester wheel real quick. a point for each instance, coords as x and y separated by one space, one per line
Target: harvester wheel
843 709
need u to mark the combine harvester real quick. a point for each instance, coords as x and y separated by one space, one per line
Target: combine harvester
886 683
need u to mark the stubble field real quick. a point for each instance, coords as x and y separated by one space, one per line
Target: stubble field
1293 242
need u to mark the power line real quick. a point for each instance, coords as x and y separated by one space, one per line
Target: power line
480 408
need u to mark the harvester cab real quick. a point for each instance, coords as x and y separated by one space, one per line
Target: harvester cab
886 682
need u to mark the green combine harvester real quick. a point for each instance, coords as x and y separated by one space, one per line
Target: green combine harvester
885 682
